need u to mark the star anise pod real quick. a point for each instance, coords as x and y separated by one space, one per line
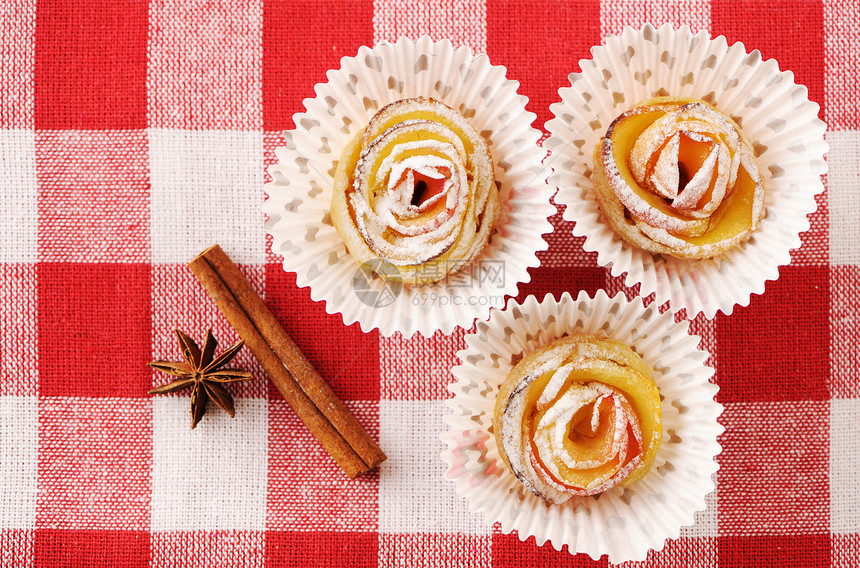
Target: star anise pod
203 373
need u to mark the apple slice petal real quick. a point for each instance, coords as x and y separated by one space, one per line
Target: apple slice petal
668 179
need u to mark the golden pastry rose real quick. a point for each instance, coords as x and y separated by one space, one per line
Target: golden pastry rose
676 176
577 417
416 189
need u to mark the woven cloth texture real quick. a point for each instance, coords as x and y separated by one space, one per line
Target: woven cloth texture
134 134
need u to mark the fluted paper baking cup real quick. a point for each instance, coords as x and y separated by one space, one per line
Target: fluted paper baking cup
300 192
773 111
624 522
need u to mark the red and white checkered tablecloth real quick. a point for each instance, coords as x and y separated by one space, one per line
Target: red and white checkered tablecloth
135 133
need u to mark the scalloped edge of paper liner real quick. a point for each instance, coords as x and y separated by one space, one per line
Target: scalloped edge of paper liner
624 522
788 136
301 227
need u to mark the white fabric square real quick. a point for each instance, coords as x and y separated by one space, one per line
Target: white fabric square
463 22
843 189
414 495
844 464
19 222
208 188
212 477
19 467
94 462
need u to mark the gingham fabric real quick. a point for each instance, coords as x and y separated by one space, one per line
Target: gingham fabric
133 134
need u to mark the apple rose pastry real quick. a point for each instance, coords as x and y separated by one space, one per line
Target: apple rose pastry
577 417
676 176
416 189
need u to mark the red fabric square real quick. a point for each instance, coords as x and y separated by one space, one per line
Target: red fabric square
346 357
778 347
94 322
90 64
510 552
302 39
92 549
306 488
93 195
792 34
774 550
95 460
541 43
773 475
16 64
204 64
560 279
321 549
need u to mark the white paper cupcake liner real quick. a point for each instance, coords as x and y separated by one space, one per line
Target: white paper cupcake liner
772 110
624 522
299 195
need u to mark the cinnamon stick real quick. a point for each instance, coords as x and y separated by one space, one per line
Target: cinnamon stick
303 388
